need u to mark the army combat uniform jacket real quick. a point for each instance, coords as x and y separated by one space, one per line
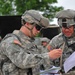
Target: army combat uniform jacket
57 42
21 56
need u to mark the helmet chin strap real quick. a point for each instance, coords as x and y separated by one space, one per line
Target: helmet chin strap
31 30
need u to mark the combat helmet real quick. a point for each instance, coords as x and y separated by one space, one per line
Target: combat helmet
66 17
33 16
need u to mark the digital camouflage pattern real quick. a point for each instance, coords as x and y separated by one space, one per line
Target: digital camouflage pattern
57 42
68 13
20 53
66 17
33 16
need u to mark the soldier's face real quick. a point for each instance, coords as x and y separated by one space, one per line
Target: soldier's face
36 30
68 31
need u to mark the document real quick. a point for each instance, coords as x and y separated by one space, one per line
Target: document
69 63
51 71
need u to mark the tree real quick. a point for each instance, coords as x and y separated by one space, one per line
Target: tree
5 7
18 7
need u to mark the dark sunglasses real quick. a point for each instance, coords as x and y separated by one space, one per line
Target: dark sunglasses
38 27
64 25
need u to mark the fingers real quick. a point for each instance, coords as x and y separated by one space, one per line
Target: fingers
56 53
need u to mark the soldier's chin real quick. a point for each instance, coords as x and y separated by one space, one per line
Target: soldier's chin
68 35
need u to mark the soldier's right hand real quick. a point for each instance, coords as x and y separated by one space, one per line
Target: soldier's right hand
55 53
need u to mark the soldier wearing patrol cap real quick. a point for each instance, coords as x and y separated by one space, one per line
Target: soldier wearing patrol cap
18 51
66 39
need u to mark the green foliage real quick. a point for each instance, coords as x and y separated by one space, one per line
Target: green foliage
18 7
5 7
39 35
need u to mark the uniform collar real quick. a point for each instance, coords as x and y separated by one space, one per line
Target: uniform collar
22 35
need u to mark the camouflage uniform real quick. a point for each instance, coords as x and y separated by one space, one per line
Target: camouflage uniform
58 40
21 55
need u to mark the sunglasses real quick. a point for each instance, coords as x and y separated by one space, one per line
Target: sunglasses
65 25
39 28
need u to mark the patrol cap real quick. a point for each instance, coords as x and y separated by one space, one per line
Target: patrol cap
33 16
66 17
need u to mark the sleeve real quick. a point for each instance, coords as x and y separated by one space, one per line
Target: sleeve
54 42
18 55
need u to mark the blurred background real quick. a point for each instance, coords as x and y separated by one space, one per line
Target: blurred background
11 11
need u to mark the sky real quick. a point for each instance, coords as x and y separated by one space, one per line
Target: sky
67 4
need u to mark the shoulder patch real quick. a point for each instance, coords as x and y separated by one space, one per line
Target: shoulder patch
17 42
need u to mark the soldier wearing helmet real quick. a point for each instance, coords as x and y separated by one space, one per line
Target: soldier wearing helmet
66 39
20 54
66 19
35 19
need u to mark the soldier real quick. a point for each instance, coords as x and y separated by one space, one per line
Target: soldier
21 55
66 39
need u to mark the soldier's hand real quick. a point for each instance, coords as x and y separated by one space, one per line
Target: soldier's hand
55 53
